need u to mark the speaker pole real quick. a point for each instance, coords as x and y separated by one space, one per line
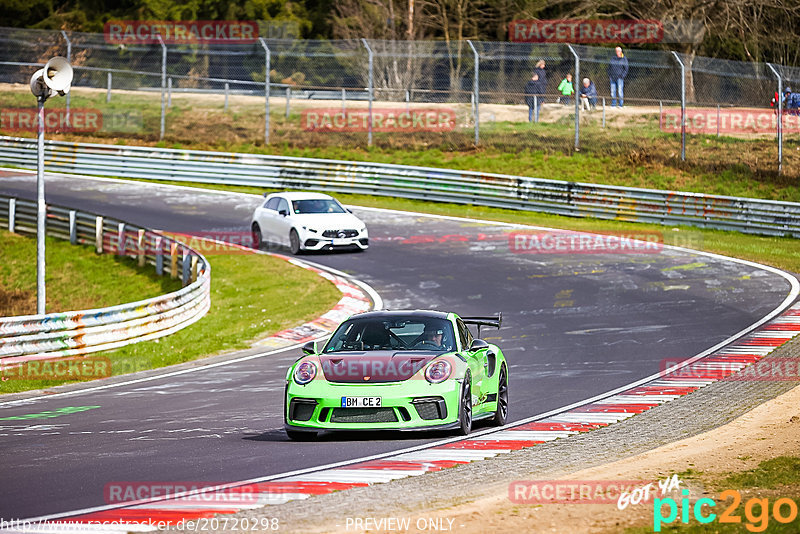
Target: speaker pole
41 213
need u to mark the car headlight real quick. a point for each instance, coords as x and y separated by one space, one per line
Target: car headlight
305 373
438 371
310 230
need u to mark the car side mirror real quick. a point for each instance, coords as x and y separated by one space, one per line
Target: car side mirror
265 195
478 344
310 348
283 212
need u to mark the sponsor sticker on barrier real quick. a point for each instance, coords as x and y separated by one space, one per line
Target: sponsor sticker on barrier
383 120
180 31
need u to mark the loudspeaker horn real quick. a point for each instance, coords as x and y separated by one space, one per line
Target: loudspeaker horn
38 88
58 75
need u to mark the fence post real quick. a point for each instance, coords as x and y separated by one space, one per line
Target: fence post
73 227
186 266
535 108
173 260
98 234
12 214
69 59
344 100
121 239
194 268
159 250
108 90
604 112
370 91
717 120
169 92
140 247
267 58
163 85
780 117
660 115
576 79
288 98
476 93
683 105
227 90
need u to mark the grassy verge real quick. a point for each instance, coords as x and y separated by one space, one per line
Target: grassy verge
780 252
251 296
630 151
759 490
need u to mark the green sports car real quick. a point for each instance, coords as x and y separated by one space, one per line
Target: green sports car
398 370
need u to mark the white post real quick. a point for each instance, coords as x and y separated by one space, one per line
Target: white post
41 213
370 89
266 88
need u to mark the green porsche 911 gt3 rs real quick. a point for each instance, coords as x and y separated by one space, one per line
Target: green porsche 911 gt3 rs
398 370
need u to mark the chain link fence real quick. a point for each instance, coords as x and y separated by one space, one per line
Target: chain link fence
413 94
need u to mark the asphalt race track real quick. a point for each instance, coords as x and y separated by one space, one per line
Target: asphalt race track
575 325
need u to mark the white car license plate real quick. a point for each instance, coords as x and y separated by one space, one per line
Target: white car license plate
361 402
341 241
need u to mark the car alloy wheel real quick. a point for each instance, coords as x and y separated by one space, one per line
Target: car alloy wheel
257 238
501 413
294 242
465 409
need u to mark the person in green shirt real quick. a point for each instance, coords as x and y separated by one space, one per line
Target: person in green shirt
567 89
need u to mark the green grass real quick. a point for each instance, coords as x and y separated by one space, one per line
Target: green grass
251 297
773 479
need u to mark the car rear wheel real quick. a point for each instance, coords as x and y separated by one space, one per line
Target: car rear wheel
465 408
501 413
257 237
294 242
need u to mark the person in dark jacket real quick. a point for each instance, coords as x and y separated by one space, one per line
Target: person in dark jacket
588 94
536 87
617 71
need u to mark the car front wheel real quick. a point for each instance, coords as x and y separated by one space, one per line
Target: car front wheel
294 242
465 408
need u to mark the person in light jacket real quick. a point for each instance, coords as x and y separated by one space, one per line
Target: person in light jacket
617 71
588 94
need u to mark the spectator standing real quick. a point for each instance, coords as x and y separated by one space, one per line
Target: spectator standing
531 89
617 71
536 86
588 94
566 89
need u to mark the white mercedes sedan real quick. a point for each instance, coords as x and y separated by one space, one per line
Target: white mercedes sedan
307 221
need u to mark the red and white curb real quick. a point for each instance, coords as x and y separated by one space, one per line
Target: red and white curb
235 497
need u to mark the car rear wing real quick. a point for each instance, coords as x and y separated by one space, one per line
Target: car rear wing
491 320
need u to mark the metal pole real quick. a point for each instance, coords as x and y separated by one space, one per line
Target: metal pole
163 85
344 100
370 90
660 115
780 117
108 90
604 112
717 120
535 108
69 59
227 90
683 105
41 213
288 99
169 92
577 78
267 59
476 93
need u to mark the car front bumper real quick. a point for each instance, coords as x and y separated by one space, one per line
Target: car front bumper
326 243
411 405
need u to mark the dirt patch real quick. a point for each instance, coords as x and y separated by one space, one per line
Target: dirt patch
16 302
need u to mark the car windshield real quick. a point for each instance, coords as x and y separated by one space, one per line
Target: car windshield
317 205
407 333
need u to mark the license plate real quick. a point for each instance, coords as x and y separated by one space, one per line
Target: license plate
361 402
341 241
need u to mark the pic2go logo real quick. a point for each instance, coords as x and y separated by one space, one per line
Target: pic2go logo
756 511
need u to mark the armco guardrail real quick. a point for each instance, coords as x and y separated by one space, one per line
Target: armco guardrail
497 190
80 332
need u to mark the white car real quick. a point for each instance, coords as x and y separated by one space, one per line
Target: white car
307 221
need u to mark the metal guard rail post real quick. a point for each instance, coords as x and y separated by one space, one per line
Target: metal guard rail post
766 217
75 333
